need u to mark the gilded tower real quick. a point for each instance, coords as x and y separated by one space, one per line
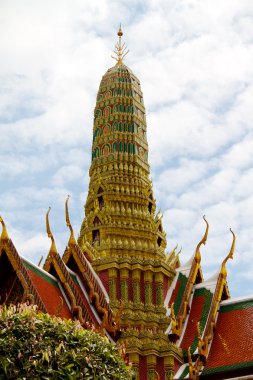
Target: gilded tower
121 229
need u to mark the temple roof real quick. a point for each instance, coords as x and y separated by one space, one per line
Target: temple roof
199 309
45 283
232 345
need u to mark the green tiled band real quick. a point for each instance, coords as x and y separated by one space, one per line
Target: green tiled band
227 368
183 281
39 273
236 306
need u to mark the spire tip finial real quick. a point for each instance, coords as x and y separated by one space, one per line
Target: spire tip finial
120 33
120 49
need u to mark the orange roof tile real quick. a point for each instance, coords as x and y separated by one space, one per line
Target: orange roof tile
232 345
48 290
178 292
194 317
198 313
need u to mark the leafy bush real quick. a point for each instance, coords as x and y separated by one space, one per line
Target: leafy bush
34 345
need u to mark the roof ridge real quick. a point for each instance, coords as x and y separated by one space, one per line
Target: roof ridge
232 301
38 268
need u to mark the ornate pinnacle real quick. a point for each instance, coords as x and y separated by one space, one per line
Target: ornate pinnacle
53 249
202 241
120 50
4 235
72 239
230 255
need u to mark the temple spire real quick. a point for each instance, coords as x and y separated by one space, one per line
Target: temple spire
120 49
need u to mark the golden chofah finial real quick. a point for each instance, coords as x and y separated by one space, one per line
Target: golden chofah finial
4 235
120 50
231 253
72 239
202 241
40 261
53 249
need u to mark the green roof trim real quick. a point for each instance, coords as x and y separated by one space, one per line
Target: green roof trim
201 292
184 373
225 368
39 273
183 281
73 277
236 306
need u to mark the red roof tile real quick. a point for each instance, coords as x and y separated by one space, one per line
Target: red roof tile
233 339
174 293
49 291
200 307
178 292
194 318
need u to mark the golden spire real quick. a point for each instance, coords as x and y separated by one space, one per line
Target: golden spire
120 50
202 241
53 249
4 235
230 255
72 239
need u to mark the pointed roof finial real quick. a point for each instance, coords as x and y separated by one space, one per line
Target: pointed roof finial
230 255
202 241
72 239
120 49
4 235
53 249
40 261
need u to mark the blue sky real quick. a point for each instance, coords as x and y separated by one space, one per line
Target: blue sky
194 59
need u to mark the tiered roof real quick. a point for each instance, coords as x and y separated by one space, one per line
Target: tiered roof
45 284
57 289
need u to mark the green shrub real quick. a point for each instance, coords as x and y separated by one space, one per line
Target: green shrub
34 345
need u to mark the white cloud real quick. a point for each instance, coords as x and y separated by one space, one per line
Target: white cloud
194 60
67 174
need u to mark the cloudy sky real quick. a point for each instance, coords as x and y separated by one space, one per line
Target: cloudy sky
194 60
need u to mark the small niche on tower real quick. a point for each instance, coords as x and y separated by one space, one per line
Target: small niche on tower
159 241
100 202
150 204
100 198
95 237
96 222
